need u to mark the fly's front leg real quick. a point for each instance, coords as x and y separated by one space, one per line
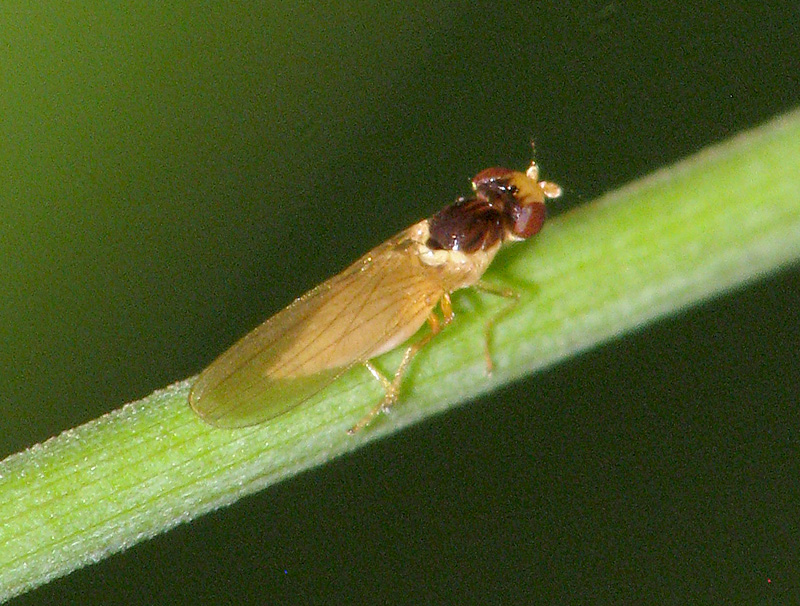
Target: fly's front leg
499 291
392 388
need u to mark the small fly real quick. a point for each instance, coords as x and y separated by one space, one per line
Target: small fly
373 306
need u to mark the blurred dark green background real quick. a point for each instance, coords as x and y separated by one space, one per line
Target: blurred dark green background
171 174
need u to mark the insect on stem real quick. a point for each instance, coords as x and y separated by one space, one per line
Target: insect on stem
374 306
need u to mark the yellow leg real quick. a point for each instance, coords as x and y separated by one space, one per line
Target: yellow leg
392 388
487 329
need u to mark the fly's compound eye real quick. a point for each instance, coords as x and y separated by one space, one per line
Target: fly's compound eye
526 219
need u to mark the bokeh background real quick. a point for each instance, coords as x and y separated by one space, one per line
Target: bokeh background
173 173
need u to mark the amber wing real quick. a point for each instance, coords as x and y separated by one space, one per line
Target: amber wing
381 300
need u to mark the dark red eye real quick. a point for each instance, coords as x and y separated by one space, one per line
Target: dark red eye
527 219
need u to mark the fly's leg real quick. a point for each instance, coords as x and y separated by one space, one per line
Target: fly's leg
392 388
499 291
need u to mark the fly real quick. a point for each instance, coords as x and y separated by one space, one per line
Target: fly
373 306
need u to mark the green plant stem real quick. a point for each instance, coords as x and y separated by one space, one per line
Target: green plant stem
714 221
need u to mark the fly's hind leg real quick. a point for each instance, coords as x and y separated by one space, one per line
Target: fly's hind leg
500 291
392 388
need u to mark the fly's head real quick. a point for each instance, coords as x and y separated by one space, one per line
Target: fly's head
520 198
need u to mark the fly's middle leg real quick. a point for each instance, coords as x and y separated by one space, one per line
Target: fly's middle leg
392 388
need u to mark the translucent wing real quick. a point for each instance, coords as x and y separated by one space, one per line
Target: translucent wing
372 306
